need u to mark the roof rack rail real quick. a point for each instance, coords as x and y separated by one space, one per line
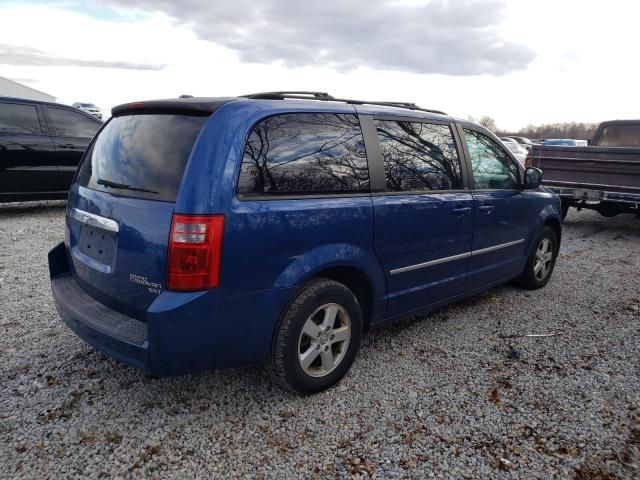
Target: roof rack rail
324 96
280 95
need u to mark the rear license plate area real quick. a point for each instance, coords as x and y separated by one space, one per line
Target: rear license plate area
97 244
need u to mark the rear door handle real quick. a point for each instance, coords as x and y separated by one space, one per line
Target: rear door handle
486 208
461 210
67 145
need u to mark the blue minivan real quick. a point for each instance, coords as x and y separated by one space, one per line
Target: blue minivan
281 227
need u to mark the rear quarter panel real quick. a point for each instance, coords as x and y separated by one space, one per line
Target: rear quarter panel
281 243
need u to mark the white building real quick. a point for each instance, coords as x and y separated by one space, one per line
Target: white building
9 88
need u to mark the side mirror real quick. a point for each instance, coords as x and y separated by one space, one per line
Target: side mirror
532 178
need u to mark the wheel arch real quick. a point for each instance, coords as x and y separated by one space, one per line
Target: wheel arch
358 282
548 217
355 267
555 224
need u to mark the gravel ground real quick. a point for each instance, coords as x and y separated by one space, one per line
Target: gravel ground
457 394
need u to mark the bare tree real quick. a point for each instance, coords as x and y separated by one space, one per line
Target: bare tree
488 122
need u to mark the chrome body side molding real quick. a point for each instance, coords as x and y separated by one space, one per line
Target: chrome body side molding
460 256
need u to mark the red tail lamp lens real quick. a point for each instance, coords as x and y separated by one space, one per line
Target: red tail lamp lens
195 250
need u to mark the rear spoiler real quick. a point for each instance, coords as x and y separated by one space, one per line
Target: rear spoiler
189 106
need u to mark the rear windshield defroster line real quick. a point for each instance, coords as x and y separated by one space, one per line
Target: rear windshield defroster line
142 156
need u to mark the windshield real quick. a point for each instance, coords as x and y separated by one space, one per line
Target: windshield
141 156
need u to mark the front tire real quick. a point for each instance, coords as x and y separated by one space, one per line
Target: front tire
541 262
318 338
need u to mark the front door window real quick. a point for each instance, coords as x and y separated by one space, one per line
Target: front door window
491 166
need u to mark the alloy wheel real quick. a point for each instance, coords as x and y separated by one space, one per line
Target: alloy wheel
324 340
543 259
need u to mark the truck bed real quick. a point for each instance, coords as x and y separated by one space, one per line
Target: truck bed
603 173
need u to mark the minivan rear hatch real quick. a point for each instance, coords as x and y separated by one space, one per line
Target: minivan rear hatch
120 211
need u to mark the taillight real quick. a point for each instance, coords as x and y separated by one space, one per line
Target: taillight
195 248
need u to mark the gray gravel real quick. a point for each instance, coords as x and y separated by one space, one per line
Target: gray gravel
456 394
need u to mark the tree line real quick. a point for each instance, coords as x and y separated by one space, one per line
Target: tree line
575 130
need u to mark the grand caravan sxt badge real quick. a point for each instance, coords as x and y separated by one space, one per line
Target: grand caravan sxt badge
152 286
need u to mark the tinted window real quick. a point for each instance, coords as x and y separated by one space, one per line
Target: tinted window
302 153
419 156
148 153
15 118
492 168
65 123
620 136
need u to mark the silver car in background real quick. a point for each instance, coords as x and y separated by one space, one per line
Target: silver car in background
90 108
519 151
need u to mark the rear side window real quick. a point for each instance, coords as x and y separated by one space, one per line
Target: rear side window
304 153
620 136
65 123
141 156
20 119
419 156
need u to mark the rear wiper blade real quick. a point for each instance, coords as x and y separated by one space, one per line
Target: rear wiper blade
123 186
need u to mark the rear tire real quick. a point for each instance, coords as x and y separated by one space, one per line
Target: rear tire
317 339
541 262
609 209
565 208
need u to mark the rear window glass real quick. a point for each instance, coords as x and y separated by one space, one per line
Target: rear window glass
20 119
141 156
305 153
620 136
66 123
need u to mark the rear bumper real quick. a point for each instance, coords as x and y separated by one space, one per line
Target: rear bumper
594 194
183 332
122 337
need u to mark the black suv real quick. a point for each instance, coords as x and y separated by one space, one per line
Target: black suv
41 145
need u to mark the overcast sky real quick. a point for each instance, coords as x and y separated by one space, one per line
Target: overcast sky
521 62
